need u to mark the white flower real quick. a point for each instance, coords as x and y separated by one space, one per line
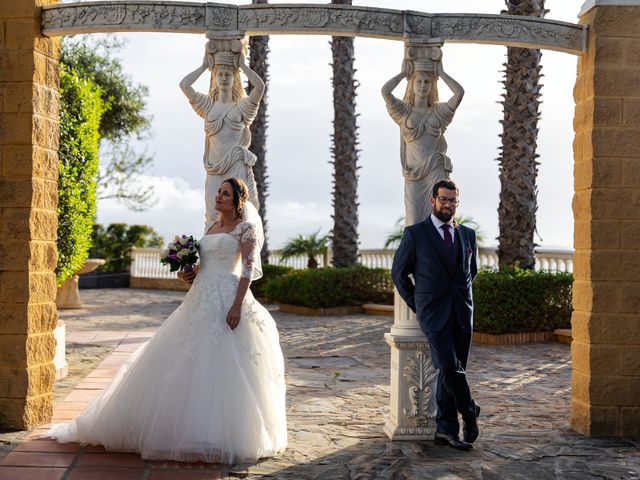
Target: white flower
171 246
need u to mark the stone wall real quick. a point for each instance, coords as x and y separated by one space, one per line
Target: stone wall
606 205
28 221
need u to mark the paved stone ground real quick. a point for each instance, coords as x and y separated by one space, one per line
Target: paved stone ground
337 397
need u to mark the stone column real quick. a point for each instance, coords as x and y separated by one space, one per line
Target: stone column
29 81
606 293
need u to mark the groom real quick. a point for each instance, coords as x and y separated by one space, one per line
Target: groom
440 254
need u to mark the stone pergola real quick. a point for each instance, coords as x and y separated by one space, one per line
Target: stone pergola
606 318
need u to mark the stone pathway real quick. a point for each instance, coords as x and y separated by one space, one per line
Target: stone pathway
337 397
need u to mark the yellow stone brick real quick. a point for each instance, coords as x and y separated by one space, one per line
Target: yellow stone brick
28 161
18 97
582 265
46 103
16 128
601 359
16 221
614 203
14 256
578 141
41 348
613 266
23 414
616 81
580 416
596 296
17 66
629 234
631 112
630 172
630 300
607 112
630 422
13 350
20 33
614 390
613 328
580 377
30 382
45 194
616 21
46 132
24 287
630 362
18 9
609 50
25 319
580 325
616 142
15 192
44 255
52 72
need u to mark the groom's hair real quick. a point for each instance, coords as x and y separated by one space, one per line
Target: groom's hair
447 184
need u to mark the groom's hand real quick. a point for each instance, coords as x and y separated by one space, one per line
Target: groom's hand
187 277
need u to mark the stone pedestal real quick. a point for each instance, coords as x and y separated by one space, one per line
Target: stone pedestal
413 379
68 295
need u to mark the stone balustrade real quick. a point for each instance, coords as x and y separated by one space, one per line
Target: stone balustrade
146 261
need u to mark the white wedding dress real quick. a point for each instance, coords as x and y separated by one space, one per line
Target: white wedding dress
198 391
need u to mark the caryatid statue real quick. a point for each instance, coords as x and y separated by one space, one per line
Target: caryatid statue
228 113
423 121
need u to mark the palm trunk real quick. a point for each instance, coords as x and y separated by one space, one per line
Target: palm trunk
345 152
518 164
258 56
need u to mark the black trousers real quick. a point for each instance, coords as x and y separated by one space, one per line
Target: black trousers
449 352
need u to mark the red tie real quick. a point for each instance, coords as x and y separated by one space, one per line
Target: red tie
447 236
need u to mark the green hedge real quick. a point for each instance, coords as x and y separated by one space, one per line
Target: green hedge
331 287
269 272
81 108
521 301
114 244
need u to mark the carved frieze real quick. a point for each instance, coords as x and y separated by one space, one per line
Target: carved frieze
420 376
72 18
507 29
321 19
268 19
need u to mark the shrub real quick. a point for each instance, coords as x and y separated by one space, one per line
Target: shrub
331 287
114 244
81 108
521 301
269 272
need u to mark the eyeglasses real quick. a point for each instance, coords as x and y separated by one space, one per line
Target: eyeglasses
451 201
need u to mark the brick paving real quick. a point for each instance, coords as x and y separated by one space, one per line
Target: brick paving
337 397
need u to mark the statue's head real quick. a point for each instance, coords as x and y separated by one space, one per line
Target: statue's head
225 74
225 78
422 84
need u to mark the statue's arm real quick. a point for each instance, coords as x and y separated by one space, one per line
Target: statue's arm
187 82
455 87
390 86
254 79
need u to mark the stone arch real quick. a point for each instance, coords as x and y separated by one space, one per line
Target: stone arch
606 319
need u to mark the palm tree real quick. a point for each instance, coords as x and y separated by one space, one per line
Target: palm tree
258 56
518 164
345 152
312 245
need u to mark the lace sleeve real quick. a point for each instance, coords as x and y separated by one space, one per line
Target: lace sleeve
248 249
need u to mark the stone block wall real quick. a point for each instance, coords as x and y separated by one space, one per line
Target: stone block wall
29 134
606 299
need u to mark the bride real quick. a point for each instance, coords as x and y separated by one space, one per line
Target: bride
209 385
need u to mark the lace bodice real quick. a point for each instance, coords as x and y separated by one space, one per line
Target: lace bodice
233 252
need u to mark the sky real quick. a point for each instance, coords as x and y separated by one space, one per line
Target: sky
300 123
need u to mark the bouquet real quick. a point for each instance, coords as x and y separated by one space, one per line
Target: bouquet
181 254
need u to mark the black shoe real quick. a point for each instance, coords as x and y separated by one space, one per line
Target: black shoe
470 429
452 441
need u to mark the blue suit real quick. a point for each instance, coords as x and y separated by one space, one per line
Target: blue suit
441 297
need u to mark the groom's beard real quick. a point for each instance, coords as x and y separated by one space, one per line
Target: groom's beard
442 215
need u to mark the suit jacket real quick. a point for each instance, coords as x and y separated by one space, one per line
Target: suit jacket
439 286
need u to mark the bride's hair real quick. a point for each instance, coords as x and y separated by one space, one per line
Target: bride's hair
240 193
